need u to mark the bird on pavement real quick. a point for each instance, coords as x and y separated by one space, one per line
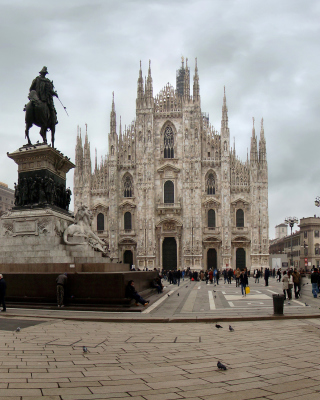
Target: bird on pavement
307 305
85 350
18 329
231 329
218 326
178 294
221 366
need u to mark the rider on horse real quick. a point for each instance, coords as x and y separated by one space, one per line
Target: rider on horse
45 91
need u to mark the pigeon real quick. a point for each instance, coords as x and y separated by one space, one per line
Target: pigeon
218 326
178 294
18 329
289 303
186 287
307 305
214 291
221 366
85 350
215 297
231 329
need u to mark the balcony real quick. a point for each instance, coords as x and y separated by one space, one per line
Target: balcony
211 231
127 232
240 231
167 208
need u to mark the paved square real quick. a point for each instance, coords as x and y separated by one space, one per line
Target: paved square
273 360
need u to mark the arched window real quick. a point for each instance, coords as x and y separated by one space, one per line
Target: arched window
100 222
169 192
211 184
127 221
168 143
240 218
211 219
128 187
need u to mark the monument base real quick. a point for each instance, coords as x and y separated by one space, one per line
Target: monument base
33 236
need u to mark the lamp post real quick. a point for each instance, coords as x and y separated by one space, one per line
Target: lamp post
317 201
291 221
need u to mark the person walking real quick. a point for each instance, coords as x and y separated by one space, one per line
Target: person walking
285 284
217 276
3 289
243 282
314 282
296 283
266 276
290 285
61 284
225 275
238 272
210 276
257 277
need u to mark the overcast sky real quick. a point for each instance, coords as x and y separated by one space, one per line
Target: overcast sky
266 53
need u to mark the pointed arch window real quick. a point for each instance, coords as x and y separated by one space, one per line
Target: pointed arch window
168 143
211 184
240 218
211 219
169 192
128 187
127 221
100 222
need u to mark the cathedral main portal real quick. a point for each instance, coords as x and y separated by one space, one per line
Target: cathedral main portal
212 259
169 253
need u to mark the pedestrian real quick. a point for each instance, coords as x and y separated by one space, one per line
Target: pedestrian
225 276
279 274
217 276
61 285
214 275
131 293
290 285
314 282
285 284
3 288
238 272
243 281
230 275
266 276
257 277
178 275
210 276
296 283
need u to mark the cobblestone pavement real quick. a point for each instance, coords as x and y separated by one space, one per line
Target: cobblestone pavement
275 360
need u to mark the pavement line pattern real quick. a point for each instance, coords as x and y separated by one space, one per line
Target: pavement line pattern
188 305
271 291
157 303
231 304
299 302
249 297
211 300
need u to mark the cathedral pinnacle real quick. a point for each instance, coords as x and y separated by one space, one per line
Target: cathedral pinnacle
196 88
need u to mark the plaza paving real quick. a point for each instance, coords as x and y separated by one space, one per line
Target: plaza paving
131 357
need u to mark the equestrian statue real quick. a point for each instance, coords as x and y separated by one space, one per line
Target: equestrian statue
40 110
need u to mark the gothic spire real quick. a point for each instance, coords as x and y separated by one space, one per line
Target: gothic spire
262 146
196 87
149 88
113 123
254 147
224 120
140 91
187 82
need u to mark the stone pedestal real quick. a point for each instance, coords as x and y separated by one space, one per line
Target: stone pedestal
41 177
32 232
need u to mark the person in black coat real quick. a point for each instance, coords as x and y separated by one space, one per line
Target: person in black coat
243 282
131 293
3 288
266 276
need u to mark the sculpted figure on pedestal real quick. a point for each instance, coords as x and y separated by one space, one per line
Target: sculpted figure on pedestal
82 228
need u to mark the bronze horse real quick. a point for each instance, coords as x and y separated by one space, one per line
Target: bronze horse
38 113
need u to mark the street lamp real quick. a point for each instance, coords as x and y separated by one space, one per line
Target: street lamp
317 201
291 221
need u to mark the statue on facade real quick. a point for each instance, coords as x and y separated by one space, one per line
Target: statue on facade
40 110
82 228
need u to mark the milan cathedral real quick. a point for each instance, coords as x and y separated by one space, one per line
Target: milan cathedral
172 193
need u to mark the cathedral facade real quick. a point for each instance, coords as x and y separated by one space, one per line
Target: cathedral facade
171 193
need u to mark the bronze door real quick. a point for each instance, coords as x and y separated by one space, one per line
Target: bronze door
169 253
212 259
